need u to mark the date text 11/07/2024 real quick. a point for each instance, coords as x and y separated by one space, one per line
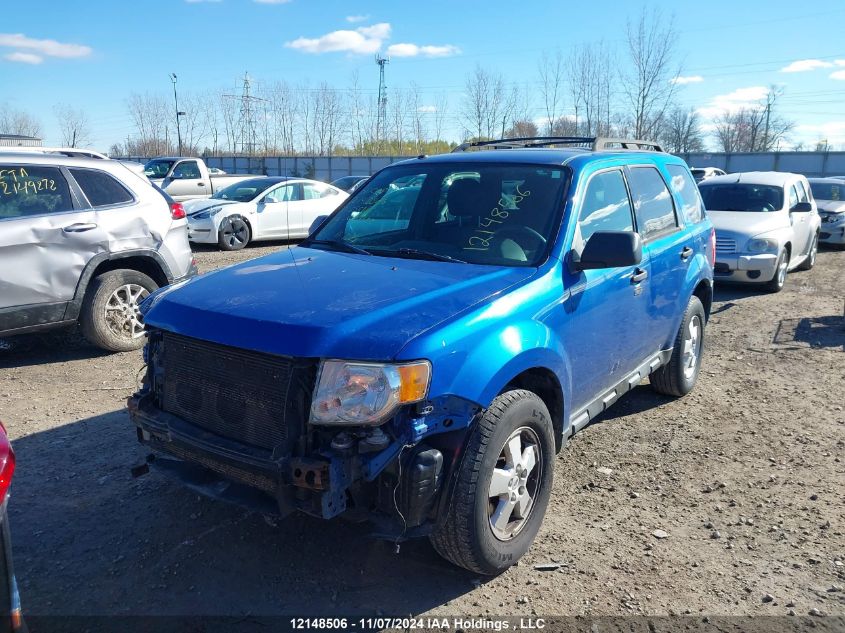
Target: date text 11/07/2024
421 623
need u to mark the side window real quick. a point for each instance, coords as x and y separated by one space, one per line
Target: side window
652 202
803 196
313 191
187 169
282 194
605 206
684 185
32 190
793 197
100 188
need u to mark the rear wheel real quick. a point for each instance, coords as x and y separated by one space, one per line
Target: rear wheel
110 317
678 376
808 263
502 487
778 281
234 233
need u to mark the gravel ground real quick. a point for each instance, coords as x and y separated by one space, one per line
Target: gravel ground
729 501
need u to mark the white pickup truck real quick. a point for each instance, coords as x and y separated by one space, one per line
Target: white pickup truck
185 178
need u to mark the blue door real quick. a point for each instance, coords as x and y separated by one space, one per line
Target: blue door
605 312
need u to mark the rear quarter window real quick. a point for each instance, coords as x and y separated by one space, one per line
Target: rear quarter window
100 188
685 187
32 190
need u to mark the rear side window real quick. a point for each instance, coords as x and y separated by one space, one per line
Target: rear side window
32 190
687 190
605 206
100 188
652 202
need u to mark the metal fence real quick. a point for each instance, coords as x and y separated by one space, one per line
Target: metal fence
328 168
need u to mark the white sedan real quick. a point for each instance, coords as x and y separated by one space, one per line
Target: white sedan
262 208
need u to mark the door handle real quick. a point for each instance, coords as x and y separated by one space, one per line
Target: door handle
79 227
200 184
686 253
639 275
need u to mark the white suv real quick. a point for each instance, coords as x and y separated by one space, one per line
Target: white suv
766 225
84 240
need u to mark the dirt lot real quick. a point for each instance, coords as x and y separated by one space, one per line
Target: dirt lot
745 476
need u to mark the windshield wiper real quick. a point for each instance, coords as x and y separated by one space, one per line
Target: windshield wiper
418 254
339 245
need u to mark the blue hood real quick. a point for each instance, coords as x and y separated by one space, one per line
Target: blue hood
308 302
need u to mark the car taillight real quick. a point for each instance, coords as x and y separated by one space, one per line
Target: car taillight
712 247
7 463
177 211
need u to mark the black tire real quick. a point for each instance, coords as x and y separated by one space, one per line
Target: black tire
464 534
808 263
118 329
779 280
234 233
678 376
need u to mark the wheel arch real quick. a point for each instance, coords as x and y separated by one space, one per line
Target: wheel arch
545 383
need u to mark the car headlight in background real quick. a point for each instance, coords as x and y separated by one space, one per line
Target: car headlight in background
762 245
835 218
350 393
205 213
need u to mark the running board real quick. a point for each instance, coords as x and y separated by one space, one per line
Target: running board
599 405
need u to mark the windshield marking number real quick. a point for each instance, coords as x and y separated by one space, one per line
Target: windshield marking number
478 243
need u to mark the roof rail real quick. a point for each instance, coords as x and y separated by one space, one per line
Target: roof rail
593 143
70 152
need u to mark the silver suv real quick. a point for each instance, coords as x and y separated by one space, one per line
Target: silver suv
84 240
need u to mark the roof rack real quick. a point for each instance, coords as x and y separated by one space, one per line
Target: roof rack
594 143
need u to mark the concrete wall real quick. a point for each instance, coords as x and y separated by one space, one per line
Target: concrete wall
329 168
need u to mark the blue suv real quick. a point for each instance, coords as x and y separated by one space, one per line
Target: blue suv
422 356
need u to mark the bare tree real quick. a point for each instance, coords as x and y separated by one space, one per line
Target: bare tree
552 75
149 114
73 126
756 128
590 76
441 110
417 117
681 131
648 84
18 122
487 104
522 128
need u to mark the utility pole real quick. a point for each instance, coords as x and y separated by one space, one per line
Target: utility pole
178 113
382 100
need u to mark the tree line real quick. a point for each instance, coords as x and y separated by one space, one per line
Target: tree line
629 90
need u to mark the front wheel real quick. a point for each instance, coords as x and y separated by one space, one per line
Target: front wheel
234 233
779 280
502 487
678 376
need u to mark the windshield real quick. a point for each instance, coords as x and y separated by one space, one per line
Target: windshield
242 191
496 214
740 196
158 168
828 190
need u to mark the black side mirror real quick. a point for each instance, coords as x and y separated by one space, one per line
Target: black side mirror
609 249
317 223
802 207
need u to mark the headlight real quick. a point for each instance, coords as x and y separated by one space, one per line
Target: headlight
205 213
350 393
835 218
762 245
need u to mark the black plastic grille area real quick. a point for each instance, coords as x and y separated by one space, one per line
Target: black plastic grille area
254 398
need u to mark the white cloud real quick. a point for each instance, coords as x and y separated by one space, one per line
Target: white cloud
367 39
733 101
354 19
803 65
839 74
690 79
832 131
24 58
414 50
839 62
427 108
48 48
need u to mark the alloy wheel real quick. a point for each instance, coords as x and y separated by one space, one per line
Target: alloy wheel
122 311
692 347
514 484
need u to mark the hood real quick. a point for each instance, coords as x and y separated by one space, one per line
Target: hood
831 206
313 303
195 206
748 222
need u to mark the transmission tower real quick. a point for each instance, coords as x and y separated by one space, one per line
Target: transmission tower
246 117
381 119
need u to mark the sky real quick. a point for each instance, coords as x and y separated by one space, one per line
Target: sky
91 54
